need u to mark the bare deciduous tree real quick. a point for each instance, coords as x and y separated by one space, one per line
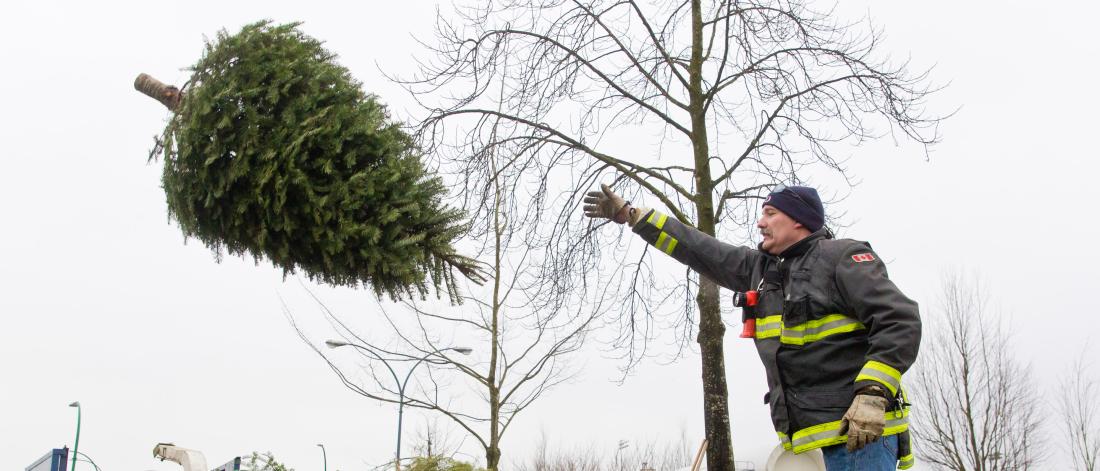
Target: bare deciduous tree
1079 415
432 440
519 343
699 105
626 456
979 406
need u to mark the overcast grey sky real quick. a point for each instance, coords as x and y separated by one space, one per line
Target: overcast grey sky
103 303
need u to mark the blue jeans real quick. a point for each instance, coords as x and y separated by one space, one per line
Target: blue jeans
879 455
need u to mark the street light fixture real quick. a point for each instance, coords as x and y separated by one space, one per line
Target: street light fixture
76 444
400 384
324 456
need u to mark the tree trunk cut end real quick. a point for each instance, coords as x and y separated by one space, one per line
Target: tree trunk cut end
167 95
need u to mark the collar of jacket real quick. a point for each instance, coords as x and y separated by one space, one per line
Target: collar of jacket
803 245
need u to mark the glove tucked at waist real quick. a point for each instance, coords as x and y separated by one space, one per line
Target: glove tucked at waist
864 421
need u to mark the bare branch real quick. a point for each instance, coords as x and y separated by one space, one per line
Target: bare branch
696 106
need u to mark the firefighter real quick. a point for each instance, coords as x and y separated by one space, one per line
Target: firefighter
834 333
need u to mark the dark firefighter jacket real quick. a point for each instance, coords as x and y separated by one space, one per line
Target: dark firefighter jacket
828 322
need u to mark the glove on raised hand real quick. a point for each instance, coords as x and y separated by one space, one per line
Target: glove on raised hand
606 204
864 421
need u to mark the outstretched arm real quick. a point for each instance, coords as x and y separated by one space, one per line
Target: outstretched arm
728 265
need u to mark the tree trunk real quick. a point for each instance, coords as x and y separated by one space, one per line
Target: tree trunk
711 329
492 455
167 95
715 395
492 451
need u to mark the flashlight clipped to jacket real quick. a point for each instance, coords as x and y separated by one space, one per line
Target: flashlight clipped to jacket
747 302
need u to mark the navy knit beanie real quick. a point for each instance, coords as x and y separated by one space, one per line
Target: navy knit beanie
801 203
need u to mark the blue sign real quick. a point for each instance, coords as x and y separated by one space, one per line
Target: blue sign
56 460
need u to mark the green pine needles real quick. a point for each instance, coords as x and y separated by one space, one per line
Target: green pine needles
275 151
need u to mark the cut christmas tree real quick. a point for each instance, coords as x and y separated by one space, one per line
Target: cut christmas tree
275 151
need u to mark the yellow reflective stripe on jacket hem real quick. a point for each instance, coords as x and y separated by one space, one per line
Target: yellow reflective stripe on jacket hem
906 462
784 440
828 434
769 327
812 331
881 373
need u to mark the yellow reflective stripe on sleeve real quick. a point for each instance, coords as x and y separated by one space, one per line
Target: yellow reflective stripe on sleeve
881 373
662 240
671 245
906 461
657 219
769 327
828 434
818 329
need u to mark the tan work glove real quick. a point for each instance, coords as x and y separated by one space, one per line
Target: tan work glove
606 204
864 421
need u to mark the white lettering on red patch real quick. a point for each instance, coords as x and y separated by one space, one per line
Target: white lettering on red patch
863 257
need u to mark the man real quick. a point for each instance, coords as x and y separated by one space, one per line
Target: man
834 333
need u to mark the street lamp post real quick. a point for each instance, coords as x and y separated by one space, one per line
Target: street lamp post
400 384
324 456
76 444
623 444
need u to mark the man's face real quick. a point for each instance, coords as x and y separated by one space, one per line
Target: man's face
779 230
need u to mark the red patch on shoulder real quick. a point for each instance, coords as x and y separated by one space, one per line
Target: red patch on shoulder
863 257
